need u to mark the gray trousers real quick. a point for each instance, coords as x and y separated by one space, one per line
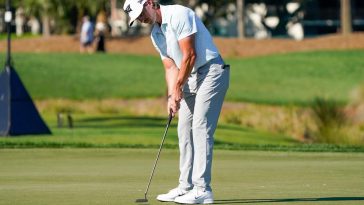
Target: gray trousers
199 111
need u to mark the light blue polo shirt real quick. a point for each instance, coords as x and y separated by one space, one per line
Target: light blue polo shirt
179 22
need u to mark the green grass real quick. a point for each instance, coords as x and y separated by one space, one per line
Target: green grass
285 79
110 131
133 131
295 78
119 176
76 76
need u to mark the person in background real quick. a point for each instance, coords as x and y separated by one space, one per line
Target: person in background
197 80
100 31
87 35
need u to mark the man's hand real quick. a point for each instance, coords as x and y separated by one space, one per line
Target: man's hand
174 101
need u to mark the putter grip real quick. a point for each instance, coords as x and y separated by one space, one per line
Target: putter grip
170 116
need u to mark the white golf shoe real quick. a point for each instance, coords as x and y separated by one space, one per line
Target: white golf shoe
171 195
196 196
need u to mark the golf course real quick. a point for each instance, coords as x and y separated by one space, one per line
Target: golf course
167 102
267 145
119 176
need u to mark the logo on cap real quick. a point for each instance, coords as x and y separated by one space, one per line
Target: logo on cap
128 9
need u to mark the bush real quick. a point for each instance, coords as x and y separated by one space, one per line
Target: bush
332 124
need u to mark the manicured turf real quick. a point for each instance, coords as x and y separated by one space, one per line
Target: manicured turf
295 78
119 176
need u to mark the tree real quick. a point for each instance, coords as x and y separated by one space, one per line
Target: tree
346 27
46 10
40 8
240 18
61 12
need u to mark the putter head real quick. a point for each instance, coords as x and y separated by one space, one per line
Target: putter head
145 200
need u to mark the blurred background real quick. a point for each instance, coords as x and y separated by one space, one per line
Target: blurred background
259 19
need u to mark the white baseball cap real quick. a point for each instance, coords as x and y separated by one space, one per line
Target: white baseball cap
133 8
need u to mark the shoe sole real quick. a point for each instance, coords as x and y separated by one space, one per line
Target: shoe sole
207 201
165 200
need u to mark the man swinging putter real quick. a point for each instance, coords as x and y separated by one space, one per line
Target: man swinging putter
197 80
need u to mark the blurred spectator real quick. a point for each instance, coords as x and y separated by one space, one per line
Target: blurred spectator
34 25
87 35
256 14
295 30
19 21
294 26
101 30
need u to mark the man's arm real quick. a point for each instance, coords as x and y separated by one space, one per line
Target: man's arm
171 72
175 77
187 46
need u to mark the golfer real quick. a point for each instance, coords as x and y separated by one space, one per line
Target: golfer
197 81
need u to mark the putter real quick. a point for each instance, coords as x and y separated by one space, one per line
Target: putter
145 200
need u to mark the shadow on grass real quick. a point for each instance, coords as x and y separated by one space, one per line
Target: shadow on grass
120 121
98 119
251 201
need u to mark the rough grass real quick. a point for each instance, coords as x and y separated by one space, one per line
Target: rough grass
119 176
297 122
135 131
110 131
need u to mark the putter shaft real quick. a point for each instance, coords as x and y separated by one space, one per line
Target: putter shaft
159 152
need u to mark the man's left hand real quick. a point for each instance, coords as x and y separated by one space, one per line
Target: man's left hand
175 101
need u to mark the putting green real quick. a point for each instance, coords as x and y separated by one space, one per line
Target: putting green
119 176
